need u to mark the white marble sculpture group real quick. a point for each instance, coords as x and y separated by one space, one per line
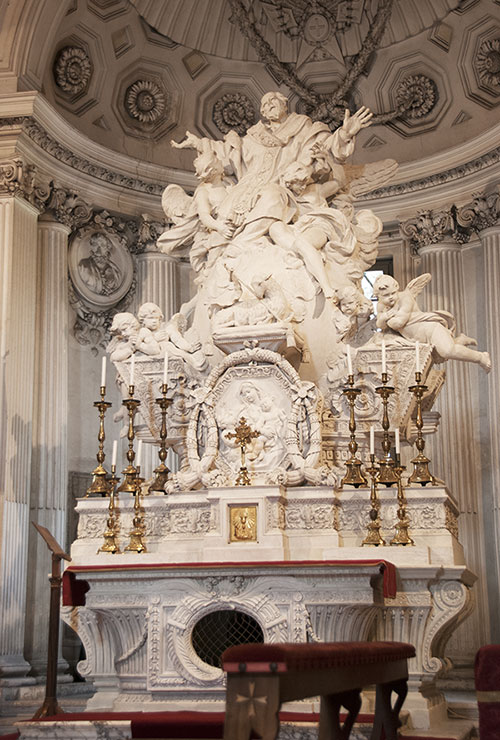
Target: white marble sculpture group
278 251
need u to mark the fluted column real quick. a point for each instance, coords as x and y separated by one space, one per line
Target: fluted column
18 245
157 282
49 479
490 414
455 450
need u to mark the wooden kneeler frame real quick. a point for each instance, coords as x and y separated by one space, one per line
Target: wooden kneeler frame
257 686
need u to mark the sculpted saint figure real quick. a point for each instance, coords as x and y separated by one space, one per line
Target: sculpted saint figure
258 160
398 310
98 271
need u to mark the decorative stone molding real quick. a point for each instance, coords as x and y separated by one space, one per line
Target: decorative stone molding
19 178
233 112
145 101
72 70
487 62
431 227
416 96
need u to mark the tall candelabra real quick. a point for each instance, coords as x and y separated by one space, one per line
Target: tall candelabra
162 471
100 482
373 536
402 536
387 474
110 533
354 475
129 484
421 473
137 532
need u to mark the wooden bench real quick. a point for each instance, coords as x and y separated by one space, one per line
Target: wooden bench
261 677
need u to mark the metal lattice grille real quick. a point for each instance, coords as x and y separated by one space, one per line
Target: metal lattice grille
219 630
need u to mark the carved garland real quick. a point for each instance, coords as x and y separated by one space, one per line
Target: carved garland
329 108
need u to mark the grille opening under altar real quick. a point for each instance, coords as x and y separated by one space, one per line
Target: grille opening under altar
216 631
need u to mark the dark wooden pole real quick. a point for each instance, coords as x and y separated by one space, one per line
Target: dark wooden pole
50 705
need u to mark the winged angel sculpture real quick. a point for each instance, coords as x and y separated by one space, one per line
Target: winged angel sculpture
398 311
272 220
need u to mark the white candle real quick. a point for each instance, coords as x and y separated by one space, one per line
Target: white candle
139 453
165 368
372 440
417 356
396 435
384 363
115 452
103 372
132 368
349 360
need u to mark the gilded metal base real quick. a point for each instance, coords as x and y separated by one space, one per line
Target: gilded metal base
421 473
161 477
243 478
354 476
109 542
402 536
100 483
374 537
387 474
136 544
129 484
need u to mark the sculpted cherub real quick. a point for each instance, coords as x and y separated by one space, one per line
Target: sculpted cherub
124 336
398 310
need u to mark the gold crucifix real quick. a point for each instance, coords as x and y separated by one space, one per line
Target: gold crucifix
243 434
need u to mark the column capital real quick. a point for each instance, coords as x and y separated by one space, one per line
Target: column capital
460 224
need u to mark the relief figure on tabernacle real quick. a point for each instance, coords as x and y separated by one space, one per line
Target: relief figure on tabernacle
398 311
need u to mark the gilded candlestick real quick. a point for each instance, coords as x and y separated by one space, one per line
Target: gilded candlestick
162 471
130 472
402 536
243 434
110 533
373 537
354 475
138 530
387 474
100 482
421 473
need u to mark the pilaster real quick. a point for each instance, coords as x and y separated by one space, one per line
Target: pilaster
49 469
18 248
455 451
157 281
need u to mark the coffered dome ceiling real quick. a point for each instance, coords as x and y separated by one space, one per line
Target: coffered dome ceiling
132 74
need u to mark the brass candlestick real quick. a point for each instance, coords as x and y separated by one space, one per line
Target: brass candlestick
100 482
243 435
402 536
373 537
110 544
130 473
387 474
138 530
161 472
421 473
354 476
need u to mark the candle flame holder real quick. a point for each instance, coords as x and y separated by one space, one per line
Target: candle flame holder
129 484
387 475
373 536
354 475
421 473
162 471
100 481
111 531
402 536
138 530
